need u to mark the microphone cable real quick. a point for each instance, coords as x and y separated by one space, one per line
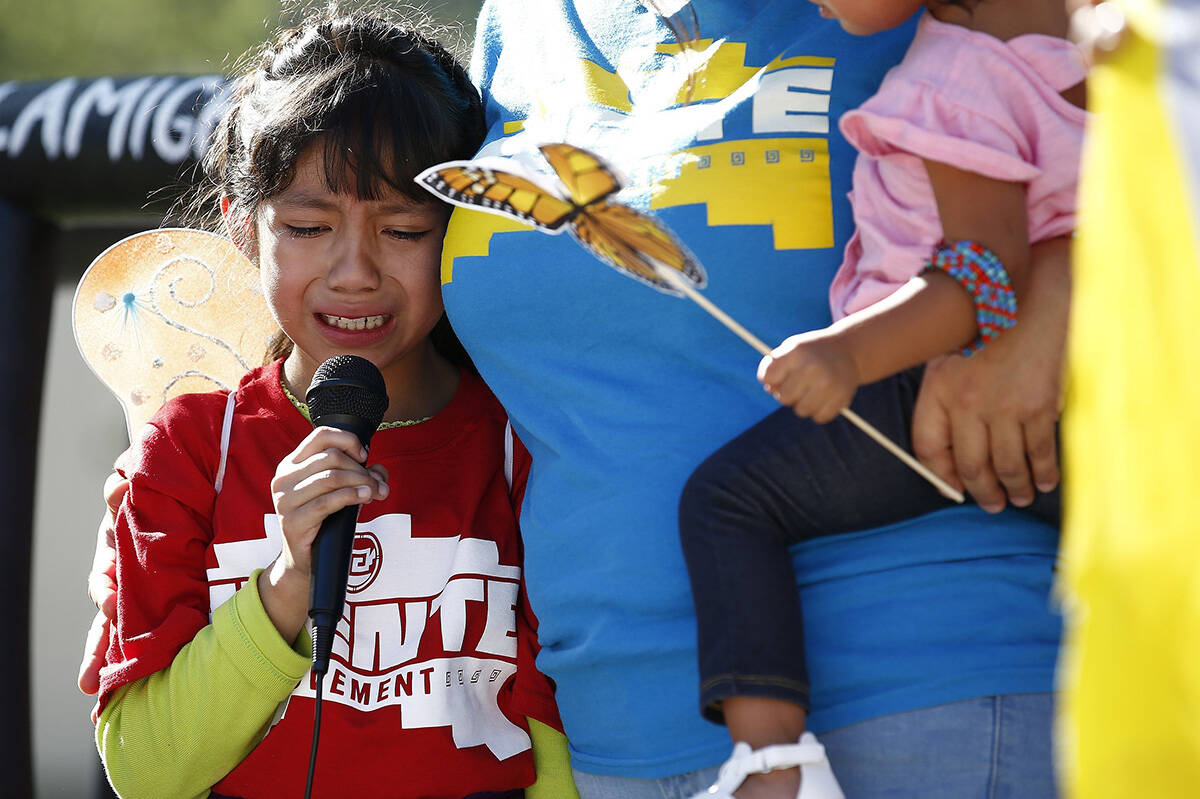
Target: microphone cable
347 393
316 738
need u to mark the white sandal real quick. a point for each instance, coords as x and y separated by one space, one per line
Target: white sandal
816 775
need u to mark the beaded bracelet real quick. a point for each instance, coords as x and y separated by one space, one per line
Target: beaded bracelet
983 276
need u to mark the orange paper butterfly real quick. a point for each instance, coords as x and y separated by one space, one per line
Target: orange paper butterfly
629 241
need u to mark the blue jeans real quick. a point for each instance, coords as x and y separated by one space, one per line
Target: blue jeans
783 481
989 748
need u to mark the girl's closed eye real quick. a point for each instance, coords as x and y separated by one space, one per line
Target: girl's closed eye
304 231
407 235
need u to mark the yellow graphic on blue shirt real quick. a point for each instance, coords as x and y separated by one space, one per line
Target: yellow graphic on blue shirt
605 88
722 69
781 180
468 235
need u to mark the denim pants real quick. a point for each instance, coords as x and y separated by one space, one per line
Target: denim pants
988 748
783 481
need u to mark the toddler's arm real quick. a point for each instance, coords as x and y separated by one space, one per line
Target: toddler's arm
102 587
817 373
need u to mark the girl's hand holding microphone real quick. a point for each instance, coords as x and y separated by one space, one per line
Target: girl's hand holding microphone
322 475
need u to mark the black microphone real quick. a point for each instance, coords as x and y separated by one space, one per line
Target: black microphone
347 393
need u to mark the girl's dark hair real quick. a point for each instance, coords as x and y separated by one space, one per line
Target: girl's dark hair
382 101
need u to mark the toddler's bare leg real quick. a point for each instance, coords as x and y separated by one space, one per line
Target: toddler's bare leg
761 721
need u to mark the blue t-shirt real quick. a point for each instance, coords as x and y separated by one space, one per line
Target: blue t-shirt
620 391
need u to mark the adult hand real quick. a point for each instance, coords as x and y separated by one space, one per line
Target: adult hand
102 587
987 424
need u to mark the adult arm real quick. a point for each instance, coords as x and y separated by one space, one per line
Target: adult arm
180 730
987 423
102 587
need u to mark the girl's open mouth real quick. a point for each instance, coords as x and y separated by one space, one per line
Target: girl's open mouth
354 323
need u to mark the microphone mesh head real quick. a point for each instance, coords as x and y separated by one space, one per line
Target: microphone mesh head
348 385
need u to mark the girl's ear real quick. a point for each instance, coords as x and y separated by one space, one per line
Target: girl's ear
241 229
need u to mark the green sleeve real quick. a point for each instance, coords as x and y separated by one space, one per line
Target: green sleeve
553 764
177 732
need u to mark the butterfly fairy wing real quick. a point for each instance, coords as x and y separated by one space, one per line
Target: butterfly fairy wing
498 191
587 178
634 244
168 312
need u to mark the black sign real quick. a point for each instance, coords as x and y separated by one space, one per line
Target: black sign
104 145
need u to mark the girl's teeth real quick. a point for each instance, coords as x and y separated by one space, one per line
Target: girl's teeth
357 323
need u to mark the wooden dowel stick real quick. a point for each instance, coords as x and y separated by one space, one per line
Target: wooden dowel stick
677 280
941 485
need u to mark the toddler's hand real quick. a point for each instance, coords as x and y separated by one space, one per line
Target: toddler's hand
322 475
812 373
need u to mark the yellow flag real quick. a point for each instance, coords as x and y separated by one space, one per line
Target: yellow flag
1130 721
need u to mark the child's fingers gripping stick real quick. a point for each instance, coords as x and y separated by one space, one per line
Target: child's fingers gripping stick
814 376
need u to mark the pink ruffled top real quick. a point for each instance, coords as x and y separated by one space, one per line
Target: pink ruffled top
972 101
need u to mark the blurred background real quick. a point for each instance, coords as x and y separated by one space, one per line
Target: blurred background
55 217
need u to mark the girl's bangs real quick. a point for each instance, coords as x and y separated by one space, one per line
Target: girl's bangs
382 135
